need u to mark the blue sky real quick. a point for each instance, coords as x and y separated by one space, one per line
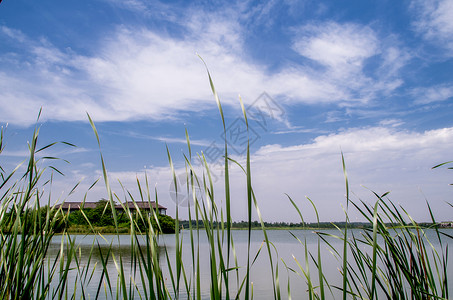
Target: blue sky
370 78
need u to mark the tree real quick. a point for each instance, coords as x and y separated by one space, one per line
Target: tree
101 215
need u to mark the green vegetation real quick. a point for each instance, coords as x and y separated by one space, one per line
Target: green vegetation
393 262
88 220
101 218
59 224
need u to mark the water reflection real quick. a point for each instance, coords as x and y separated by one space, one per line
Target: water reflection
98 247
93 255
288 247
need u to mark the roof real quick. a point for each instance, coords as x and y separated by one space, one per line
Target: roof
76 205
140 204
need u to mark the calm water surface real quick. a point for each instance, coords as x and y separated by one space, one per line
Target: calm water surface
288 247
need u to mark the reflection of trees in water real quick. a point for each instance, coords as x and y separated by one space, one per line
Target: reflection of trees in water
91 252
125 250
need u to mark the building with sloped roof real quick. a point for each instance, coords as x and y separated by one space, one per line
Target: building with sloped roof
132 206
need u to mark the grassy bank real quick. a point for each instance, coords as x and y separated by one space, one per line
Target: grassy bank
391 258
81 229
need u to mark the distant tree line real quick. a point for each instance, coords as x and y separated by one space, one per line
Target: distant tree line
32 220
314 225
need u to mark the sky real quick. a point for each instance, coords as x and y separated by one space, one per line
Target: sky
371 80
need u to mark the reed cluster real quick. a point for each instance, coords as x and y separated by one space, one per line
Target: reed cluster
393 262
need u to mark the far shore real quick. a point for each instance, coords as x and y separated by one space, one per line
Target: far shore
85 230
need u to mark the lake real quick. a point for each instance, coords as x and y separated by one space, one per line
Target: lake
288 248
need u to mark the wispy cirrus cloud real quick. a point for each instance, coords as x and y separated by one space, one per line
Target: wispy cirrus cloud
24 153
432 94
344 49
391 123
141 73
169 140
133 5
340 47
433 20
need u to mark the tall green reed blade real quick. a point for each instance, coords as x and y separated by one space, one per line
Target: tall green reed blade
275 286
66 266
104 274
27 230
362 260
441 270
319 262
213 228
2 145
427 285
8 177
345 236
153 235
288 288
406 272
375 231
227 177
119 264
305 271
192 184
106 179
177 243
210 217
442 164
163 291
249 201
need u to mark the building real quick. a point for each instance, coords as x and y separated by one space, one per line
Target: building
73 206
446 224
142 205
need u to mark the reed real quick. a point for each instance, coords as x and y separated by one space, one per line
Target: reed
394 261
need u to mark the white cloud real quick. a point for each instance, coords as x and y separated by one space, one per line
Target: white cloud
294 130
432 94
391 122
13 33
433 20
170 140
337 46
393 58
379 158
134 5
19 153
344 50
137 73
